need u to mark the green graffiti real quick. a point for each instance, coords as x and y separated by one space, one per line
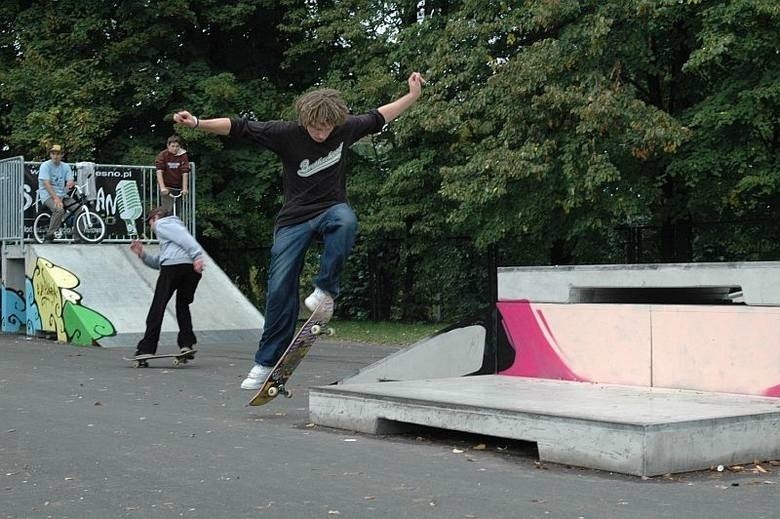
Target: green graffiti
60 308
85 326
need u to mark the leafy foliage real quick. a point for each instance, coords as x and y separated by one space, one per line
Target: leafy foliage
550 131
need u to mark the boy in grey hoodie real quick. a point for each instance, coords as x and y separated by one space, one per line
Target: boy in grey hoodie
180 263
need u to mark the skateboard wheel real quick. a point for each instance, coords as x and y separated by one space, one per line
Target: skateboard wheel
176 362
288 394
316 329
136 364
273 391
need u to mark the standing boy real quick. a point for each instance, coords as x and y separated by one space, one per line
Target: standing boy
312 152
173 171
180 263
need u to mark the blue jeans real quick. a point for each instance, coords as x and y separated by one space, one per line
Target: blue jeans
337 227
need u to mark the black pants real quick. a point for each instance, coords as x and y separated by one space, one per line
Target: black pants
183 280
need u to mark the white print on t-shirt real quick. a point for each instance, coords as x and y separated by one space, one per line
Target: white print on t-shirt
307 170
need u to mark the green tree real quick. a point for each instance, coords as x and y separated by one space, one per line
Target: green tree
572 120
731 161
557 131
407 251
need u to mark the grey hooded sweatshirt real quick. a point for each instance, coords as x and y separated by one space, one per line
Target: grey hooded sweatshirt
177 246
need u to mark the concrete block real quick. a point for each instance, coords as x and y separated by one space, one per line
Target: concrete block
756 283
632 430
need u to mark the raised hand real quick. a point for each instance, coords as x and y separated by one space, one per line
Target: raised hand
416 82
185 118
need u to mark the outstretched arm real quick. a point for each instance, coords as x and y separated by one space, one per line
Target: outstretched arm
151 260
220 126
392 110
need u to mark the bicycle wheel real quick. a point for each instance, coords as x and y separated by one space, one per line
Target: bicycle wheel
90 227
41 226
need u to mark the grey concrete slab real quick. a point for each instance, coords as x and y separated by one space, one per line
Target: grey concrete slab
754 283
11 266
633 430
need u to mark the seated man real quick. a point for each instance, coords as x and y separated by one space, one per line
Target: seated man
55 180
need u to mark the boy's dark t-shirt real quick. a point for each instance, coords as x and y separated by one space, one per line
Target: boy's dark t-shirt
313 173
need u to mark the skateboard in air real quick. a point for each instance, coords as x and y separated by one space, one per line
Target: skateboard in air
276 383
178 359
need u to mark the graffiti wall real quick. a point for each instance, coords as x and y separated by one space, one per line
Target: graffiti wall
53 305
709 348
13 310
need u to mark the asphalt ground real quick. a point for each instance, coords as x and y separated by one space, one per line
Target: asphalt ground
85 435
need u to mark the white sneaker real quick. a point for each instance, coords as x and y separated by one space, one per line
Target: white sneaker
315 298
256 377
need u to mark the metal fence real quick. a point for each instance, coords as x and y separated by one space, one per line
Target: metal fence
11 199
121 194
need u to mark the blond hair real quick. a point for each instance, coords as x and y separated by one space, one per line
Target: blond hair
323 107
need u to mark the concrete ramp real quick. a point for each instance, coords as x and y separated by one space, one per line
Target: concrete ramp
641 369
461 349
100 294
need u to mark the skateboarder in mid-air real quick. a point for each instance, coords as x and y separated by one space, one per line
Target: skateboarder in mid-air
312 150
180 263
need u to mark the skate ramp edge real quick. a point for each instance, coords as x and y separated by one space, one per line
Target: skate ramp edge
451 353
754 283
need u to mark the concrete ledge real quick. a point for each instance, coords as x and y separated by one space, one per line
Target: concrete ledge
632 430
13 250
754 283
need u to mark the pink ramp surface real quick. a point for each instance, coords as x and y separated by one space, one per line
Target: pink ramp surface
708 348
536 352
732 349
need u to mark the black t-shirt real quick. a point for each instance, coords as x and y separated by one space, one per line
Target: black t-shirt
314 172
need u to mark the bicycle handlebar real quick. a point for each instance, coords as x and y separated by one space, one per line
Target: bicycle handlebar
80 188
76 187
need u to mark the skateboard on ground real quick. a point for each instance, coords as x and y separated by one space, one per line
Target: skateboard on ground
276 383
178 359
